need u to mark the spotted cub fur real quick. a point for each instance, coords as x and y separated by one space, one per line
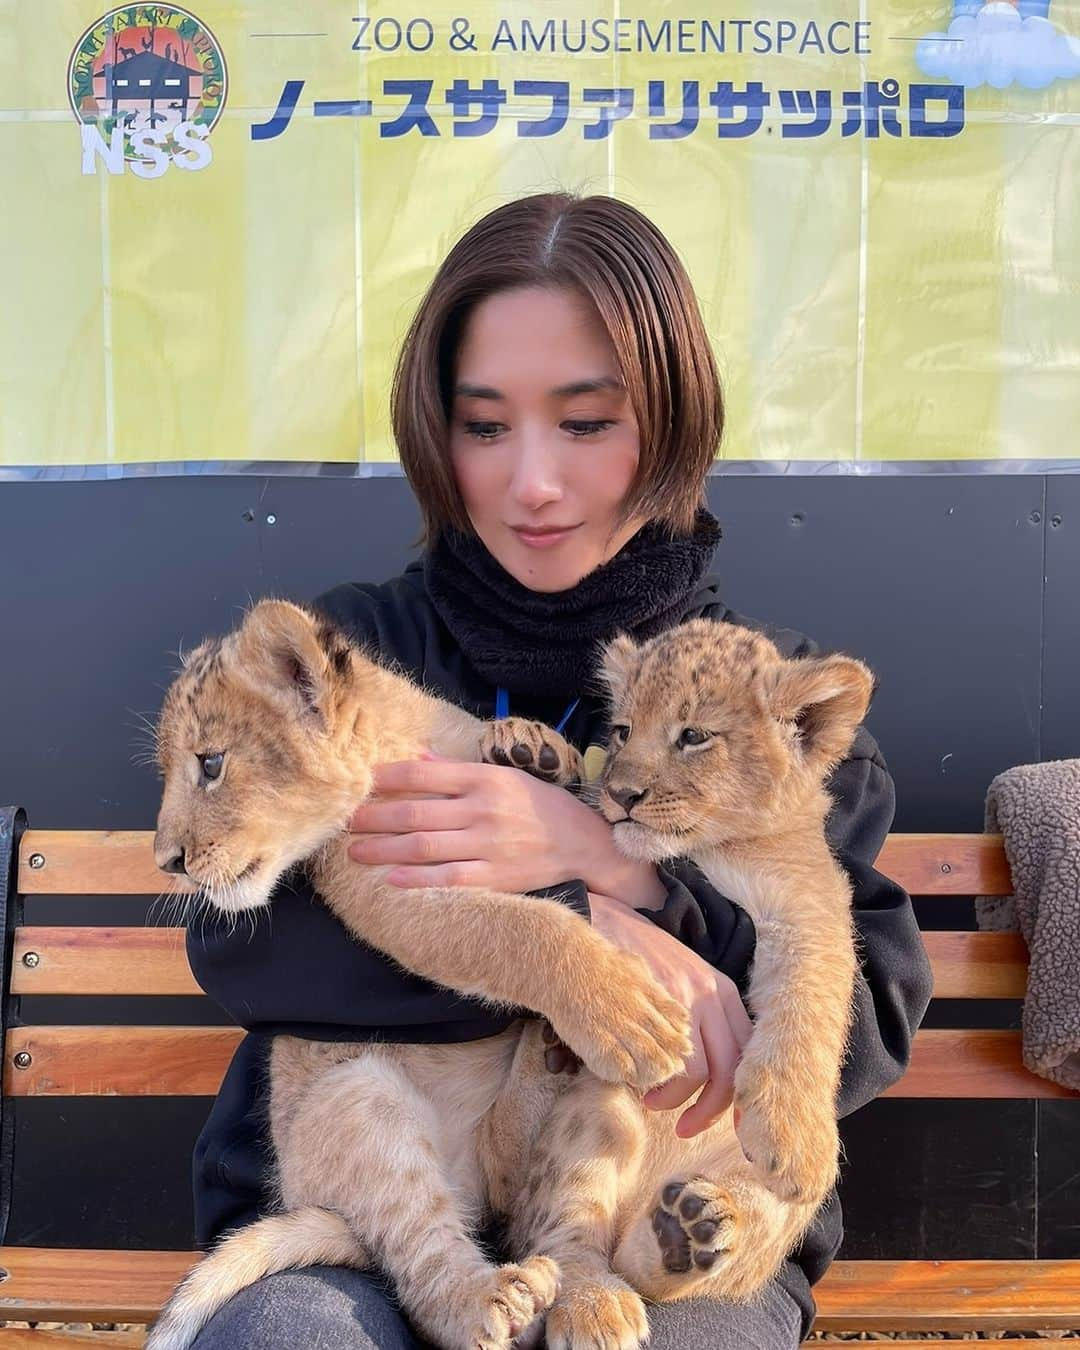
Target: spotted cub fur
719 752
267 742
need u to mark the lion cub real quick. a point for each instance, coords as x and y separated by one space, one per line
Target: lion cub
267 741
719 751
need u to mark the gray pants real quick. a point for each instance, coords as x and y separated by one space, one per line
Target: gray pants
337 1309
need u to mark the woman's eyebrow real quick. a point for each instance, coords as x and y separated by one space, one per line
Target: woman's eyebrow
592 386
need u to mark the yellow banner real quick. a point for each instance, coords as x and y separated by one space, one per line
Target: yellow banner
217 222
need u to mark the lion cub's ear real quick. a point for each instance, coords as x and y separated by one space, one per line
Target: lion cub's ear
617 659
825 698
278 653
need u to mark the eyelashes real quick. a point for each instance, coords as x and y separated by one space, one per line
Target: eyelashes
579 429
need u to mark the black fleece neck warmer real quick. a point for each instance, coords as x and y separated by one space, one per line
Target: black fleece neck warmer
540 643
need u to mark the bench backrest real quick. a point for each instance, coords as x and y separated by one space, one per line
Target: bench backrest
166 1060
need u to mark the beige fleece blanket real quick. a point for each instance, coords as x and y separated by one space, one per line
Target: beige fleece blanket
1036 807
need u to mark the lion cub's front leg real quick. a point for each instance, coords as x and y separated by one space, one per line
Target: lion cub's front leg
533 747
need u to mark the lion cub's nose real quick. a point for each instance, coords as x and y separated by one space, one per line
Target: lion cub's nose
628 798
176 864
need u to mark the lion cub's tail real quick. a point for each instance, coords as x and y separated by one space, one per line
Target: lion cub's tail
303 1237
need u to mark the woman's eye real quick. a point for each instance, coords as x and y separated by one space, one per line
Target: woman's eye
211 764
487 431
586 428
483 431
692 736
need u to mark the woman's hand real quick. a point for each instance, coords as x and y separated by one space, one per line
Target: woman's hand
721 1025
492 826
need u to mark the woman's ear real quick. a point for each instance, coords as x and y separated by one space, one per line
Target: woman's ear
824 698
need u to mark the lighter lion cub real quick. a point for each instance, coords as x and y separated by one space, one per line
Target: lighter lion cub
719 751
267 741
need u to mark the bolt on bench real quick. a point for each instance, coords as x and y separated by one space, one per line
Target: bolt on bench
42 1284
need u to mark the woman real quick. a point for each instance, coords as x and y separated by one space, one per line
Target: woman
556 407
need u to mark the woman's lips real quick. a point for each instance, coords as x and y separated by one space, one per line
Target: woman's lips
546 540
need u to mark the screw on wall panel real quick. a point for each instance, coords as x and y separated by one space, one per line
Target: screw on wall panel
1035 517
37 861
951 511
271 520
798 518
1055 521
946 868
249 516
31 959
23 1059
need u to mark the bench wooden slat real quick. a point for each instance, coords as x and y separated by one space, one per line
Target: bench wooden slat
978 965
40 1338
154 961
59 1285
109 1286
946 864
118 1061
101 961
949 1296
19 1338
975 1064
190 1062
92 862
121 862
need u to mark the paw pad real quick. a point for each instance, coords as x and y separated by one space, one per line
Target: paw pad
694 1225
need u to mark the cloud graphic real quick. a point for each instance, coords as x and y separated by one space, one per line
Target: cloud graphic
997 46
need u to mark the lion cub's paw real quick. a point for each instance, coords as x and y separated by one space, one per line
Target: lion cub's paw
534 747
793 1147
627 1028
696 1224
490 1310
598 1314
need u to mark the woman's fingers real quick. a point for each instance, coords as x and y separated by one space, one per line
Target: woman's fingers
675 1091
722 1053
738 1019
421 848
403 817
474 872
722 1028
450 777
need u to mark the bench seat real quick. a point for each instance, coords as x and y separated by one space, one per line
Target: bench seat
51 1285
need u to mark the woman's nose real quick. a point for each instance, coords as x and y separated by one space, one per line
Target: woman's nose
537 476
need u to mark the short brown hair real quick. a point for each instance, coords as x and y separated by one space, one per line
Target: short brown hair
615 257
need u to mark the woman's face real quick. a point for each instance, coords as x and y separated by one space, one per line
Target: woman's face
542 435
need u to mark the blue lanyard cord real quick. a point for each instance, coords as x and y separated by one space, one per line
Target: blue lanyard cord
567 715
502 707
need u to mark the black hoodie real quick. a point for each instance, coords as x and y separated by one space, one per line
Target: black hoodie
301 973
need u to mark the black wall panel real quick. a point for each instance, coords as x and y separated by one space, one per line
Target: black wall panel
960 591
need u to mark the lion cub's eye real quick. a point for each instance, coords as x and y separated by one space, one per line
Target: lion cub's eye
619 734
211 764
692 736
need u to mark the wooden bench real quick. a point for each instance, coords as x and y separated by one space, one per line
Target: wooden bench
129 1286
